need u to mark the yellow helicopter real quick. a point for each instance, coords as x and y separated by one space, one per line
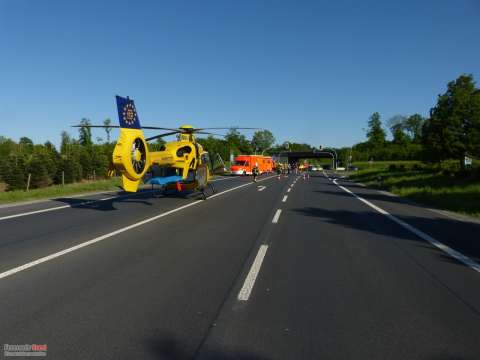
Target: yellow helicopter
182 164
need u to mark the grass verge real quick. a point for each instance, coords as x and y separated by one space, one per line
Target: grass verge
58 190
436 187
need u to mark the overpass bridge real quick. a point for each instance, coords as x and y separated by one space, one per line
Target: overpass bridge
294 156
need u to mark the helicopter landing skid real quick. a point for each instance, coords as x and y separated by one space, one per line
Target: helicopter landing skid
207 191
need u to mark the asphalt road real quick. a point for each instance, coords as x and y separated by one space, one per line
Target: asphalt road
280 269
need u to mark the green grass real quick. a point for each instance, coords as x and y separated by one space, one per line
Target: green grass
58 190
437 187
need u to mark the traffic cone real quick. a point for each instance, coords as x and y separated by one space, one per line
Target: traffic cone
179 186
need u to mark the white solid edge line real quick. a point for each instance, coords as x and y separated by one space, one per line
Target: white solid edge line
445 248
107 198
109 235
223 178
285 198
39 211
276 216
247 287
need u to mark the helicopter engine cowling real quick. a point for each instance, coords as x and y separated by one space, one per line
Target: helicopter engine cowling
131 157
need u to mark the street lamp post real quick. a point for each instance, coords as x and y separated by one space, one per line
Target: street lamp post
266 150
335 157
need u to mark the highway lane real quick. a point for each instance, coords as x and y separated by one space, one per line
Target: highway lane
336 280
120 298
341 281
453 231
26 238
38 206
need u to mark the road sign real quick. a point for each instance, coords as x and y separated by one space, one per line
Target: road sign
467 161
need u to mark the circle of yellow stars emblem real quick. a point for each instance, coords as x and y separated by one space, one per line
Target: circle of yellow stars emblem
129 114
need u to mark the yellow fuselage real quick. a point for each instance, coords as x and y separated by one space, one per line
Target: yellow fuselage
184 154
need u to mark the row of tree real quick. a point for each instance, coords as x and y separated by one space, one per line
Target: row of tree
82 158
45 165
452 131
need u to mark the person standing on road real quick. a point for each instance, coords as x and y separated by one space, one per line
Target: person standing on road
255 172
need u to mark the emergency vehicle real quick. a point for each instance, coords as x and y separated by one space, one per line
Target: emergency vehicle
243 164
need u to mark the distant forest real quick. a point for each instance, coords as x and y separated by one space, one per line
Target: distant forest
451 131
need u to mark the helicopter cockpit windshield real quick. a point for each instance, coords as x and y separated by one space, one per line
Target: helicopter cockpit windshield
183 137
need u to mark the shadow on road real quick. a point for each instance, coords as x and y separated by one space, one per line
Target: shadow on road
457 234
108 205
169 347
144 198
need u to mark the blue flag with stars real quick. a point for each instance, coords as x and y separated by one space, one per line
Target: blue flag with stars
127 113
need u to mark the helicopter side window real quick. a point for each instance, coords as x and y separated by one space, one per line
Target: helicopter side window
184 150
205 158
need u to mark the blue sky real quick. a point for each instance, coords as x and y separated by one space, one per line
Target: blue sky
310 71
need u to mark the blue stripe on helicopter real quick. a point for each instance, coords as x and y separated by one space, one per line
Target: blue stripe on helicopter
164 180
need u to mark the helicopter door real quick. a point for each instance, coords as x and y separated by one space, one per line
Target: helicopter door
201 175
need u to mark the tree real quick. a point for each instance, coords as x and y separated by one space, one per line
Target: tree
215 146
13 172
7 147
26 144
375 132
399 137
65 144
52 160
413 125
71 169
108 129
263 140
36 166
237 143
293 146
453 129
396 119
85 132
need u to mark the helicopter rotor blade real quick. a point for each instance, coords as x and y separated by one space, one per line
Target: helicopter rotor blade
96 126
184 130
159 128
227 128
117 127
209 133
162 135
